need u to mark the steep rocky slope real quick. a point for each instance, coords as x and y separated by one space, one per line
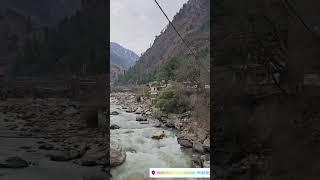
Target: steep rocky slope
193 23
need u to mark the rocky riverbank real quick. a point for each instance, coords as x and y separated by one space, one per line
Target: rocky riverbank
189 135
47 138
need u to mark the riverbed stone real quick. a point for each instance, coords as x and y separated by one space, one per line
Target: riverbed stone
114 126
158 135
185 142
114 113
141 118
117 154
197 147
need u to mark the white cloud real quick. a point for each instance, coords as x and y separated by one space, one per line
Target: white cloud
135 23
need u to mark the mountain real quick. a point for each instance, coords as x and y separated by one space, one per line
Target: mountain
120 60
121 56
43 11
193 23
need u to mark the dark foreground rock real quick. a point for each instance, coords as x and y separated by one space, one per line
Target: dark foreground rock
14 162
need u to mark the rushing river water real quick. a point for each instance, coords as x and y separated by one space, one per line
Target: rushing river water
142 151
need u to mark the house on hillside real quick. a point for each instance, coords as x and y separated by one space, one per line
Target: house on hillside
155 88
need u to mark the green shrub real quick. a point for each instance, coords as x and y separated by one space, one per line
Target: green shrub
172 100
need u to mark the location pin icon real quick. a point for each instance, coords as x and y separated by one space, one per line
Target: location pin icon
153 172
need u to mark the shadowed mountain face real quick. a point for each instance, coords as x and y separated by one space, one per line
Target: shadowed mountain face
43 11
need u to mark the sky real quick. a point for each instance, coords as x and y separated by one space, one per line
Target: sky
135 23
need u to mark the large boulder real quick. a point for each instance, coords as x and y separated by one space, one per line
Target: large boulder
158 135
184 141
117 154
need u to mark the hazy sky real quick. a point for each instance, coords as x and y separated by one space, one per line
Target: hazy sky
135 23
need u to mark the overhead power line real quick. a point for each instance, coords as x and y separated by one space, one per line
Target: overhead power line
184 41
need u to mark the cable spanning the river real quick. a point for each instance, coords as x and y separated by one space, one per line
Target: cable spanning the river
184 41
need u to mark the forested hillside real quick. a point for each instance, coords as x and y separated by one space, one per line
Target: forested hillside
75 46
169 58
43 11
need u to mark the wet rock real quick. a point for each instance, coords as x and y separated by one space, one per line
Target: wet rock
157 125
129 131
158 135
141 118
46 146
131 150
185 142
117 154
114 126
197 147
170 124
14 162
114 113
139 111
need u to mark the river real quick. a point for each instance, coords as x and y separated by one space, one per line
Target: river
142 151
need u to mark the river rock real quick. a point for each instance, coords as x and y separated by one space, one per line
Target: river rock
158 135
131 150
206 146
14 162
114 113
185 142
117 154
197 147
139 111
170 124
114 126
68 155
141 118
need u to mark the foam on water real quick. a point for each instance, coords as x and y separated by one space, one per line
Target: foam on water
148 152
